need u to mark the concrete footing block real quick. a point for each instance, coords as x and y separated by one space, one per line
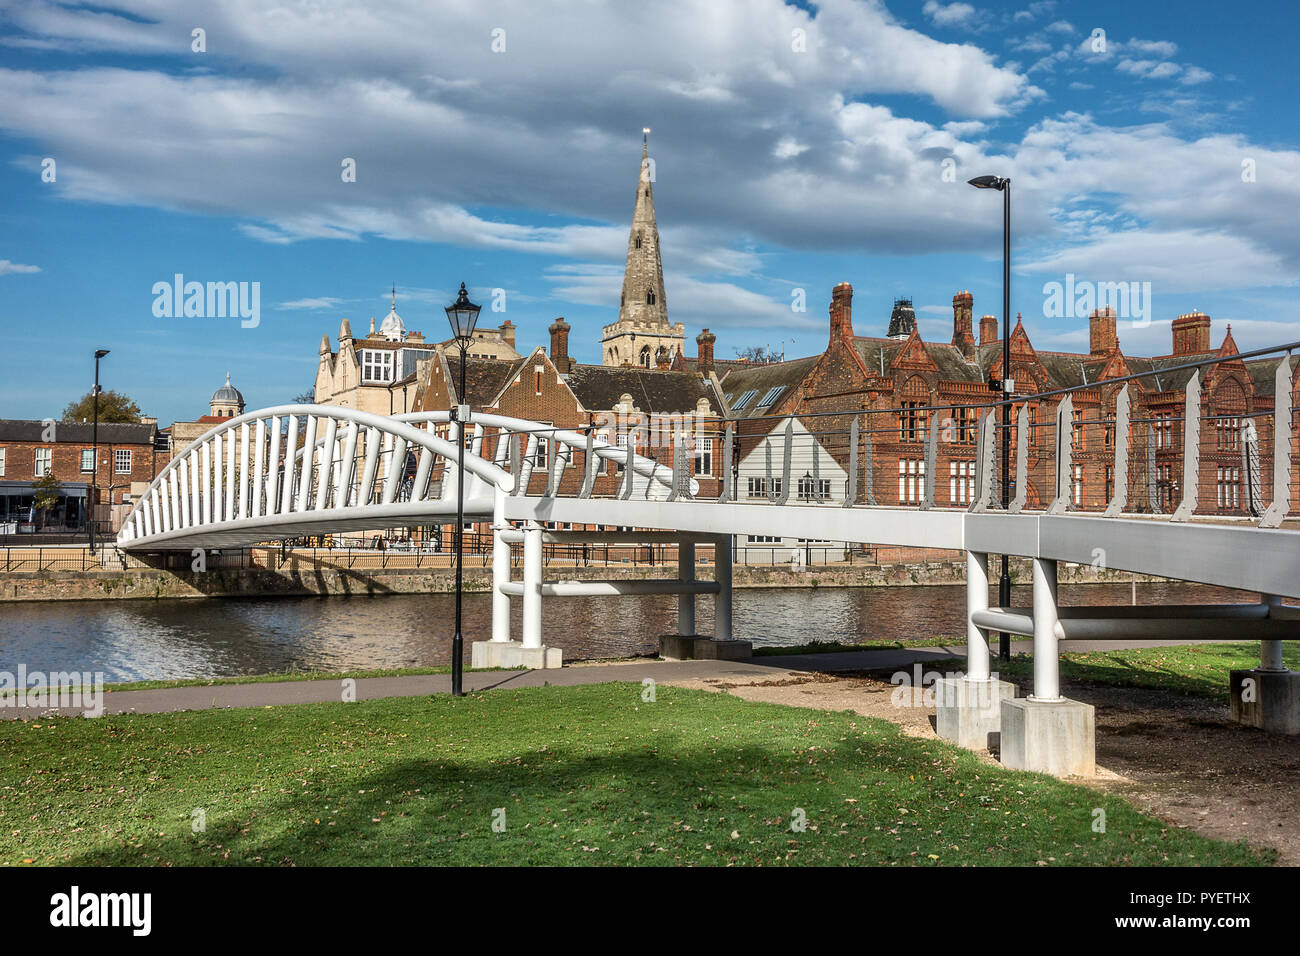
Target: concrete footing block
513 654
969 712
1049 736
1269 700
694 647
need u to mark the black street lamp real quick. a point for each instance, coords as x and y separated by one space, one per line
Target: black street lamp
1003 185
462 315
94 441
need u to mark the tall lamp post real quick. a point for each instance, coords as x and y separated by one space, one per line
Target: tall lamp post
94 442
1007 385
462 315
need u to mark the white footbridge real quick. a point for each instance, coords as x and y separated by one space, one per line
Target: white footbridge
296 470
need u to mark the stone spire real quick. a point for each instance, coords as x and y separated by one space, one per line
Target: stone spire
643 298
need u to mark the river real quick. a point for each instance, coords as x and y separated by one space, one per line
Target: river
223 637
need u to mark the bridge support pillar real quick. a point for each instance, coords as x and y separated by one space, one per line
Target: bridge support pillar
531 652
1047 732
722 600
686 600
1267 697
968 710
500 578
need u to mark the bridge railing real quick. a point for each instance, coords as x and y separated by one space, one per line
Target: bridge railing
1208 437
275 465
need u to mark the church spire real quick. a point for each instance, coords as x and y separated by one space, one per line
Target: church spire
643 298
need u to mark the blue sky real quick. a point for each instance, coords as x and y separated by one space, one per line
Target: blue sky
796 146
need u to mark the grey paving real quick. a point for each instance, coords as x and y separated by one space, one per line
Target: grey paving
372 688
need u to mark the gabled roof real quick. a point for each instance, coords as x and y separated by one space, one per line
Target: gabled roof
761 379
484 378
599 387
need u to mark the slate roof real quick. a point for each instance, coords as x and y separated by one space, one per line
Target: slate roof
761 379
110 433
599 387
484 378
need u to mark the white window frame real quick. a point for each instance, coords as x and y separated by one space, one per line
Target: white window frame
911 480
961 482
85 452
703 453
122 461
2 462
42 457
376 365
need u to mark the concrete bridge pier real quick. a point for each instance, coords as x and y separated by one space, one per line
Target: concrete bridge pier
1268 696
501 651
968 709
1045 731
686 644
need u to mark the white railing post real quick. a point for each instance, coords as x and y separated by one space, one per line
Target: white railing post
259 463
308 466
290 466
273 468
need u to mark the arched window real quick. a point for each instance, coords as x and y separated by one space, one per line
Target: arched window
649 297
638 241
645 357
912 413
1228 405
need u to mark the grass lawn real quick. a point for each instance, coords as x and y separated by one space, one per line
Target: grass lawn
1200 669
582 775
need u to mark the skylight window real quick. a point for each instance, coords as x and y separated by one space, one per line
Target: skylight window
744 400
772 394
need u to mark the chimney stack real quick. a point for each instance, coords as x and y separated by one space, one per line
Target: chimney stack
963 307
1102 337
704 345
988 329
559 344
842 313
1191 333
508 332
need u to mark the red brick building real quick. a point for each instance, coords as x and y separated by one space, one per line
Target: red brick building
130 456
897 381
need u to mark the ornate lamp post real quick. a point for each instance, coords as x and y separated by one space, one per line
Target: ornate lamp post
94 441
1003 185
462 315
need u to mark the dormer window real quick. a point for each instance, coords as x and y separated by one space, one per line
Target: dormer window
376 365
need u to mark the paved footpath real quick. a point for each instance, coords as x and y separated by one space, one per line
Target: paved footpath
372 688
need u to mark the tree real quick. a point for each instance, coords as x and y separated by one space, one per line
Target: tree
305 398
757 354
46 495
113 407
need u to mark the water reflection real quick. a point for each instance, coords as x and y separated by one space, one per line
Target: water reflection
142 640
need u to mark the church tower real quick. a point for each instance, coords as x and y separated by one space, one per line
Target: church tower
642 326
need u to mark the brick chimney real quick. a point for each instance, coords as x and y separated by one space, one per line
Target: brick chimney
1191 333
842 313
963 305
1102 339
988 329
704 346
559 344
508 333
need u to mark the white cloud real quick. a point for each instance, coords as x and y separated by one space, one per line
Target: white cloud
316 304
949 15
16 268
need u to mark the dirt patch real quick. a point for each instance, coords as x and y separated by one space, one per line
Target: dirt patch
1176 757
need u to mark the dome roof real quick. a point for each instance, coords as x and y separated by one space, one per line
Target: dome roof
392 327
227 394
